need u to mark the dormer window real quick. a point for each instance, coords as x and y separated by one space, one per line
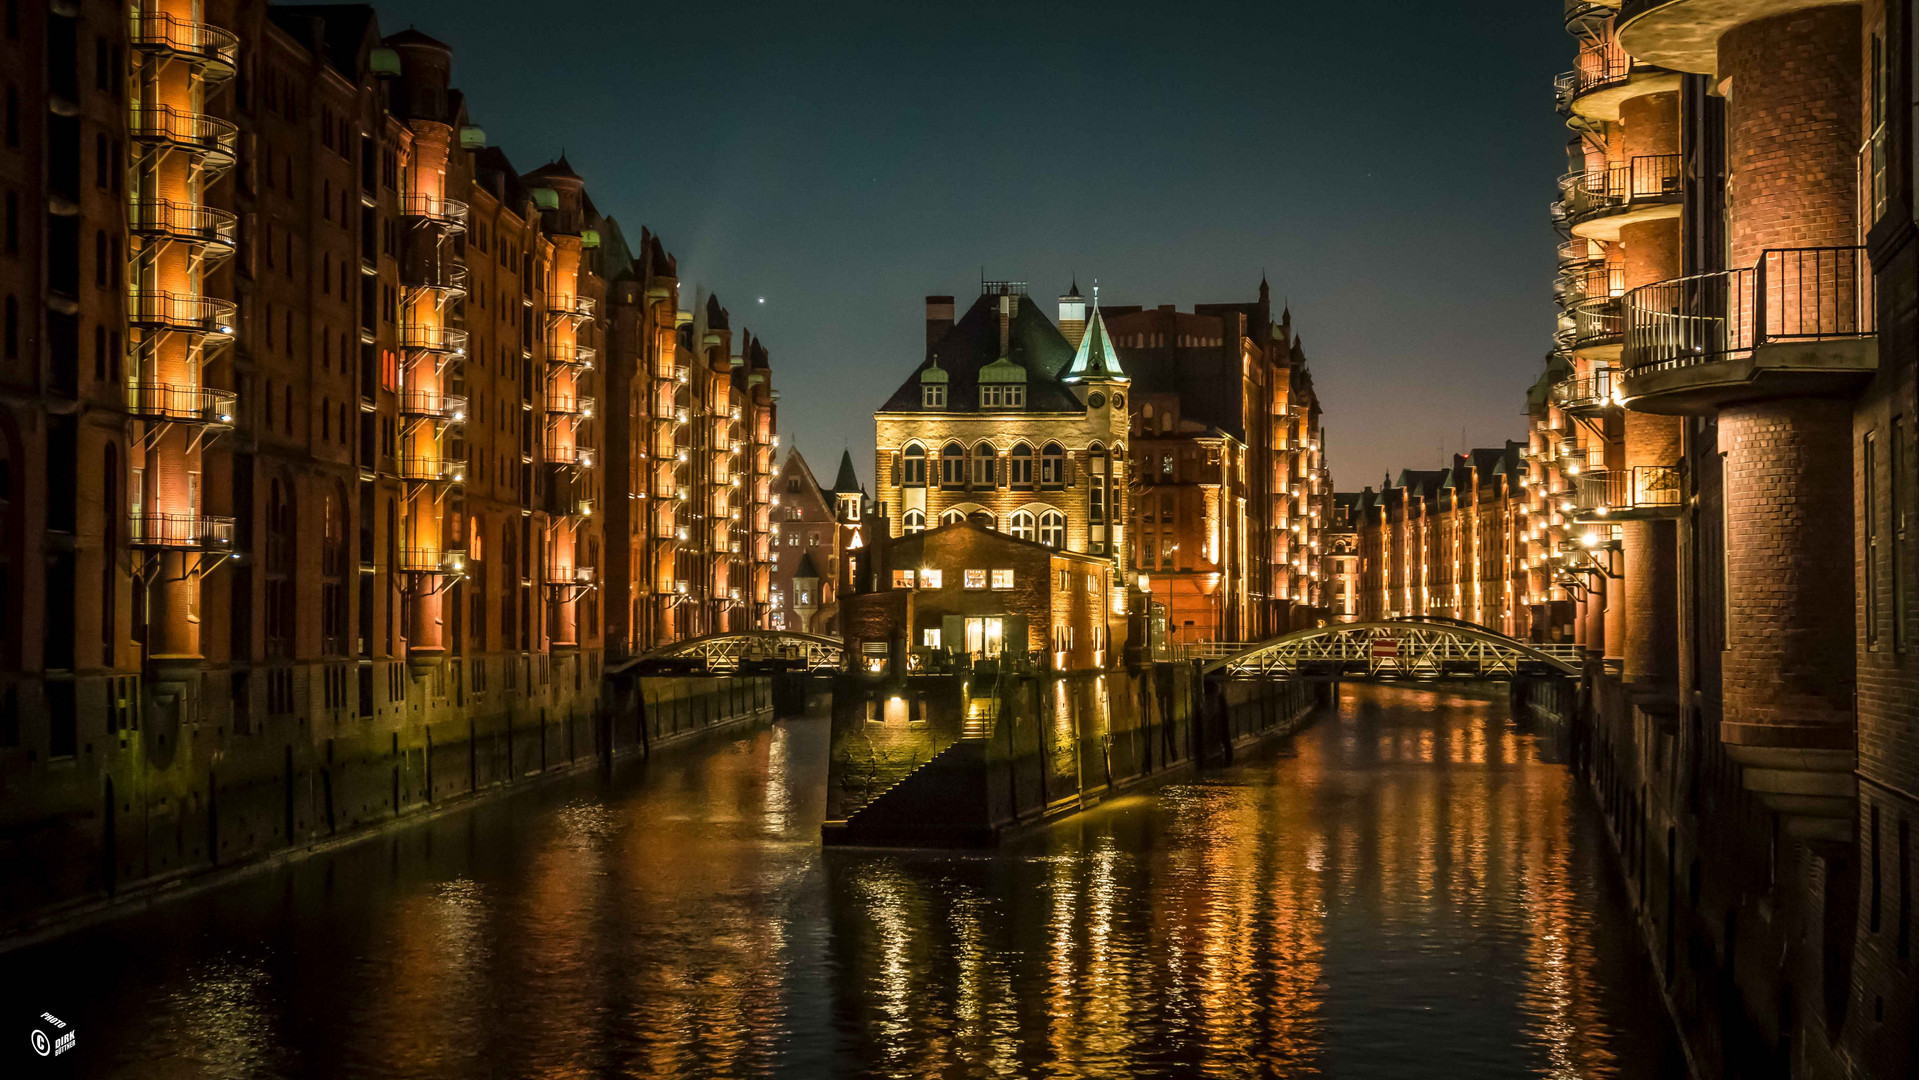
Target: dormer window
1003 396
933 395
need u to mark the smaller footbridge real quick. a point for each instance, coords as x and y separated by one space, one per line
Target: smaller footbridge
744 651
1391 650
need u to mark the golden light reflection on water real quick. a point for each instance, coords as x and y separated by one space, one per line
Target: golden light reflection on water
1405 889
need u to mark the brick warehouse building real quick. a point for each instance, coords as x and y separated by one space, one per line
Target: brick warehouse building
1721 458
1024 425
329 442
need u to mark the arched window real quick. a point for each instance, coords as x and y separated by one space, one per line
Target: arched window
1096 492
915 519
1021 524
952 517
985 458
984 519
953 466
1052 529
1052 465
915 459
1020 473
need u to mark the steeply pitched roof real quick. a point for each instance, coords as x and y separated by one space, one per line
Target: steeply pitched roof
410 36
1033 343
848 481
806 567
555 170
1096 358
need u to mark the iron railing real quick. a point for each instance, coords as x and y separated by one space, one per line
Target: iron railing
183 221
432 338
441 470
185 532
1584 393
432 561
418 204
1791 294
435 404
1597 321
447 277
570 455
181 404
1590 282
194 40
569 404
570 355
1619 185
575 306
1602 62
1578 252
185 129
181 312
1585 16
1617 491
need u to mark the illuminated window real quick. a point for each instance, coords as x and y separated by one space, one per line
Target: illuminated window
1021 470
1021 524
952 465
915 466
952 517
1052 465
984 471
1002 579
985 636
976 579
930 637
932 579
915 521
902 579
1052 529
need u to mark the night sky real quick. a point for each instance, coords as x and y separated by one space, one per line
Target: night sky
1388 166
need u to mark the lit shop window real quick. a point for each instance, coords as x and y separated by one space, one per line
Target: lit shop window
1002 579
930 637
931 579
902 579
976 579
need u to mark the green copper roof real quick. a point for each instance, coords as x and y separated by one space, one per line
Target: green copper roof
1096 358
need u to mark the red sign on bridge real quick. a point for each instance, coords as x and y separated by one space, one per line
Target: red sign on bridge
1385 648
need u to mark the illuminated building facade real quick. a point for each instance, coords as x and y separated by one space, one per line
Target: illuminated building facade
813 529
1232 491
306 505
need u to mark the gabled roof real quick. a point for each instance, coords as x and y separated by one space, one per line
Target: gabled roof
806 567
973 343
796 461
560 169
410 36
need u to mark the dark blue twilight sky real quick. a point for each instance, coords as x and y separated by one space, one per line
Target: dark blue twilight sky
1388 164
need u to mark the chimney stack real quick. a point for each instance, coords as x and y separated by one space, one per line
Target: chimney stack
1072 316
939 318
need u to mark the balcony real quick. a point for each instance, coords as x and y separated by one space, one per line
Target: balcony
433 405
181 313
1598 327
570 577
433 339
1587 16
194 132
1579 253
447 213
180 532
1588 395
1683 35
170 404
432 561
1593 281
432 470
570 405
1641 493
165 219
573 356
1799 322
1606 76
212 49
570 307
1600 202
570 457
442 276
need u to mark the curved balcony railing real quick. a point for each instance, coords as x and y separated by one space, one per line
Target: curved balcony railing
1590 283
216 50
570 405
180 532
185 222
1602 62
578 356
1579 251
1597 322
1619 186
1791 294
434 405
1586 394
570 455
432 561
439 339
196 132
449 212
1585 16
448 277
181 313
181 404
432 470
575 306
1622 494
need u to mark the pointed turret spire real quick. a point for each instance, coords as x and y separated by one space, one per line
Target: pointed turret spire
1096 358
848 482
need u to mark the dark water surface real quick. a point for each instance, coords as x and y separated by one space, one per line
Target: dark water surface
1409 888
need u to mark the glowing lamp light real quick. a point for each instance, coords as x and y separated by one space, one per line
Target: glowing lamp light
226 418
1590 539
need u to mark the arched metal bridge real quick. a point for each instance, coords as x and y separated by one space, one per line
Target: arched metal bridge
1396 649
724 654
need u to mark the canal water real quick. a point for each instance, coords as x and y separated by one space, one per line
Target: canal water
1410 887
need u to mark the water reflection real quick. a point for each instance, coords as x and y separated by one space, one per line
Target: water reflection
1407 889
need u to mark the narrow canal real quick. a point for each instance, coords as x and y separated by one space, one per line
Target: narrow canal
1411 887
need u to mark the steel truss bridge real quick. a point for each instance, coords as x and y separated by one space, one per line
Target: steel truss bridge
1396 649
725 654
